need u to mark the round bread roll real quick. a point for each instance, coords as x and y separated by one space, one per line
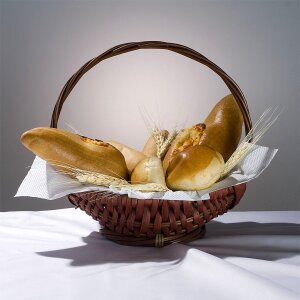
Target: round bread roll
132 156
195 168
149 170
64 149
186 138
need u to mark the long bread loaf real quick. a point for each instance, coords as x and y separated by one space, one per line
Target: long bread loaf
66 151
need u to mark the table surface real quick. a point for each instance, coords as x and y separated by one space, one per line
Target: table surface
60 254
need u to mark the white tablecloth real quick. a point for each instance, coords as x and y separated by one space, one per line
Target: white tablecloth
60 254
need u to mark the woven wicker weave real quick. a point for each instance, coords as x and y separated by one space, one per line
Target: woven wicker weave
154 222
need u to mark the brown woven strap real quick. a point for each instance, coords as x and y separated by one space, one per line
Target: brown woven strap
180 49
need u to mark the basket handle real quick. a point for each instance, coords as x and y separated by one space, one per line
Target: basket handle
180 49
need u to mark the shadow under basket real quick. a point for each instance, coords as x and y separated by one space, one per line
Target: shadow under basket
137 222
153 222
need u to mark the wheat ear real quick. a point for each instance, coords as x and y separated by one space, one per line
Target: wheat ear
162 143
107 181
266 120
90 177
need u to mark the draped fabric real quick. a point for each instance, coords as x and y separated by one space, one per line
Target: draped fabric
61 254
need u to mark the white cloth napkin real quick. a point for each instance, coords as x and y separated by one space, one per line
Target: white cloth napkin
43 181
59 254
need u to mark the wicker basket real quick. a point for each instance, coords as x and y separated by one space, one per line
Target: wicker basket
154 222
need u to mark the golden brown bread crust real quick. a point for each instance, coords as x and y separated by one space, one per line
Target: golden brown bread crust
195 168
186 138
62 148
148 170
223 127
132 156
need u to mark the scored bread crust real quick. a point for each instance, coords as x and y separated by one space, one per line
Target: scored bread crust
186 138
67 152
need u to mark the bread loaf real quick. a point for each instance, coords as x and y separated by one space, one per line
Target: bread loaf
223 127
195 168
186 138
64 149
149 170
132 156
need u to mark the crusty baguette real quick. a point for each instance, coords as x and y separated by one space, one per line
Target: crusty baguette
132 156
223 127
64 149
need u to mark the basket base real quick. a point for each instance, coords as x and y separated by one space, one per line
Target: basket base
159 241
154 222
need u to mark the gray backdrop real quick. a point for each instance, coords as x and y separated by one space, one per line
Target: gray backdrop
44 42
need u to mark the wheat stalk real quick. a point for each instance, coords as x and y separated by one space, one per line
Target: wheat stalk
164 148
266 120
90 177
162 143
159 138
107 181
